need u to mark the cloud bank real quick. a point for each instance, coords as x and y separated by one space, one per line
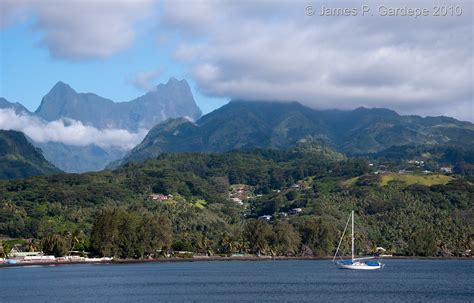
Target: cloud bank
78 29
273 50
68 131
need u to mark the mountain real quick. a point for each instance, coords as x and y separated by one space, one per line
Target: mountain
173 99
77 159
17 107
259 124
170 100
20 159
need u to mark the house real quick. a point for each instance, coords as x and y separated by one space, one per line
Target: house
265 218
20 251
296 211
237 200
160 197
447 170
417 162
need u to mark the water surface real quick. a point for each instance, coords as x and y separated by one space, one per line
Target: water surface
241 281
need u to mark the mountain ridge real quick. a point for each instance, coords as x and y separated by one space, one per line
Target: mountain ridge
243 124
171 99
20 159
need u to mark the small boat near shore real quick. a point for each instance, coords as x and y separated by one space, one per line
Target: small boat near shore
366 263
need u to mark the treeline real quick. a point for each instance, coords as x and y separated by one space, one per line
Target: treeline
127 234
117 232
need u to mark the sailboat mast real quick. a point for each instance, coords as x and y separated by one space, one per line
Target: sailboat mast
352 235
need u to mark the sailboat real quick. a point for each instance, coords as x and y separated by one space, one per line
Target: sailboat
367 263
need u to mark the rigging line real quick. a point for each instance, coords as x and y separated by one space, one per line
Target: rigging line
342 237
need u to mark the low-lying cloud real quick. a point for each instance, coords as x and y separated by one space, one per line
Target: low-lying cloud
68 131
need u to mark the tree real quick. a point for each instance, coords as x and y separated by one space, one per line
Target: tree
318 235
286 239
154 234
422 242
258 234
56 245
105 232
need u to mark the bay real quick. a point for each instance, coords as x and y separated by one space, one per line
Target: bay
241 281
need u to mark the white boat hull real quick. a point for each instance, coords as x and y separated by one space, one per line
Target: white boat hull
358 266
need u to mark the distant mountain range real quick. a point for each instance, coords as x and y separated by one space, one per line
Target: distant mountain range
19 159
76 159
170 100
173 99
248 125
17 107
172 116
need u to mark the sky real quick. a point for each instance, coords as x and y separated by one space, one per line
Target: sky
255 50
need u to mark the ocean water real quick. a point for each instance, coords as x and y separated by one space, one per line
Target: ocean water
241 281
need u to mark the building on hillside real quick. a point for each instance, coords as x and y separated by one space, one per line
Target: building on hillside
296 211
265 218
160 197
447 170
237 200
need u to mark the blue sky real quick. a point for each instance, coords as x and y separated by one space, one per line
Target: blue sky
29 71
266 50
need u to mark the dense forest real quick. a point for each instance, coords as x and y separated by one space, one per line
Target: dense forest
265 202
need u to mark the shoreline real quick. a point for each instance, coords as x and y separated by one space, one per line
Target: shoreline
213 258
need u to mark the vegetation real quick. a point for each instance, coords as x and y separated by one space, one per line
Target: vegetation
20 159
409 179
189 203
247 125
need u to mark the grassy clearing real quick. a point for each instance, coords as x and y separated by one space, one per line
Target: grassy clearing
409 179
349 182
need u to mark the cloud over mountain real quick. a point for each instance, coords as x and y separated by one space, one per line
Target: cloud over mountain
275 51
68 131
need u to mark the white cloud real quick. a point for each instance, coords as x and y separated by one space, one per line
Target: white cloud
146 80
68 131
274 51
77 29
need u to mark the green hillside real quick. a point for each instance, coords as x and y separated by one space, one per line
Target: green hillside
20 159
211 203
244 125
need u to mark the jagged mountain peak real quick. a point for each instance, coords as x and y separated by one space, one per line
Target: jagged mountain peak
61 86
170 100
17 107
